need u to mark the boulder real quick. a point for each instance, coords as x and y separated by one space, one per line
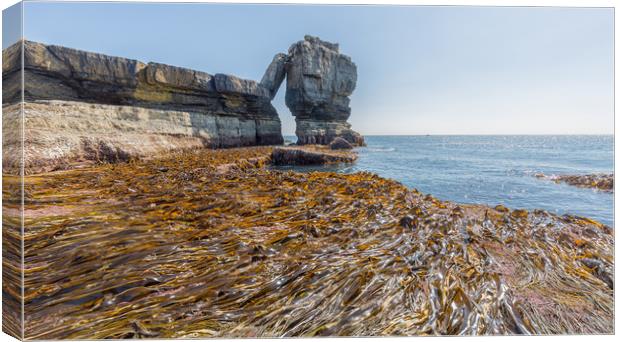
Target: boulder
603 182
340 144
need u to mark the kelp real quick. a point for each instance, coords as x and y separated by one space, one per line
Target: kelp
212 244
602 182
11 257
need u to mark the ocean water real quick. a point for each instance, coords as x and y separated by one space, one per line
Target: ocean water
493 170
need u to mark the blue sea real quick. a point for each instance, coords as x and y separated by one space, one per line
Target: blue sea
493 170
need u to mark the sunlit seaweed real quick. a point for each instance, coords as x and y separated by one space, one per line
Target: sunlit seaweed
212 244
11 257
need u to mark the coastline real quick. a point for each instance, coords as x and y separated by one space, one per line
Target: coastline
493 170
600 181
228 246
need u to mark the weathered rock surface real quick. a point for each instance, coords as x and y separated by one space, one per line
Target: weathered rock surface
309 155
323 132
340 144
240 109
123 107
62 134
275 74
60 73
319 81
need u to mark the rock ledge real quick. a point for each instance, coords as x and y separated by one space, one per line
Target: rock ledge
310 155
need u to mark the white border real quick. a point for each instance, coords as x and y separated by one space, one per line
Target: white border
504 3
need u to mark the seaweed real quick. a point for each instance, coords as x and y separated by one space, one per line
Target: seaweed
210 243
602 182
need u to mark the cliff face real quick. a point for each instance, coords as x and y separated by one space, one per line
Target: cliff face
199 109
59 73
319 81
77 101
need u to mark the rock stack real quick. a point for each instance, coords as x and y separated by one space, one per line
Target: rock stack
319 81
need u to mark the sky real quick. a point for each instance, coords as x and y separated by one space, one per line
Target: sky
421 69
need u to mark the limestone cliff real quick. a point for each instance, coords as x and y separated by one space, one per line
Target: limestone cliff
134 108
87 106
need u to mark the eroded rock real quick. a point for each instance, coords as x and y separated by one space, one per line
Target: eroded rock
319 81
87 95
64 134
177 77
323 132
275 74
210 110
309 155
340 144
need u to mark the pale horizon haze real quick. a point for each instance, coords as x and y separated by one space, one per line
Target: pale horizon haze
421 69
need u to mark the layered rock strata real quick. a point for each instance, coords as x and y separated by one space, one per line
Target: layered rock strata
79 101
82 90
61 134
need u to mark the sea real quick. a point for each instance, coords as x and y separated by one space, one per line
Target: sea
492 170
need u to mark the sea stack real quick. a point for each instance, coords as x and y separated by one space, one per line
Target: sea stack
319 81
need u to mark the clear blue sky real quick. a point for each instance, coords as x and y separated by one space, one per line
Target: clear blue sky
422 70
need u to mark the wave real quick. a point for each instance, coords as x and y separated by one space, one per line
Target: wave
380 149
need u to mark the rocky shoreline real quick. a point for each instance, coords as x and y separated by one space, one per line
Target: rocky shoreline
310 155
603 182
211 243
83 106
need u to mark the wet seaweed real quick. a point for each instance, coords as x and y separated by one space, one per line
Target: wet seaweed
212 244
602 182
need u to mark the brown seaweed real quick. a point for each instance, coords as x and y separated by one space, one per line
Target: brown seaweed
602 182
211 244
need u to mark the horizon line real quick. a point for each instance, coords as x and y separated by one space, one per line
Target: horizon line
479 134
